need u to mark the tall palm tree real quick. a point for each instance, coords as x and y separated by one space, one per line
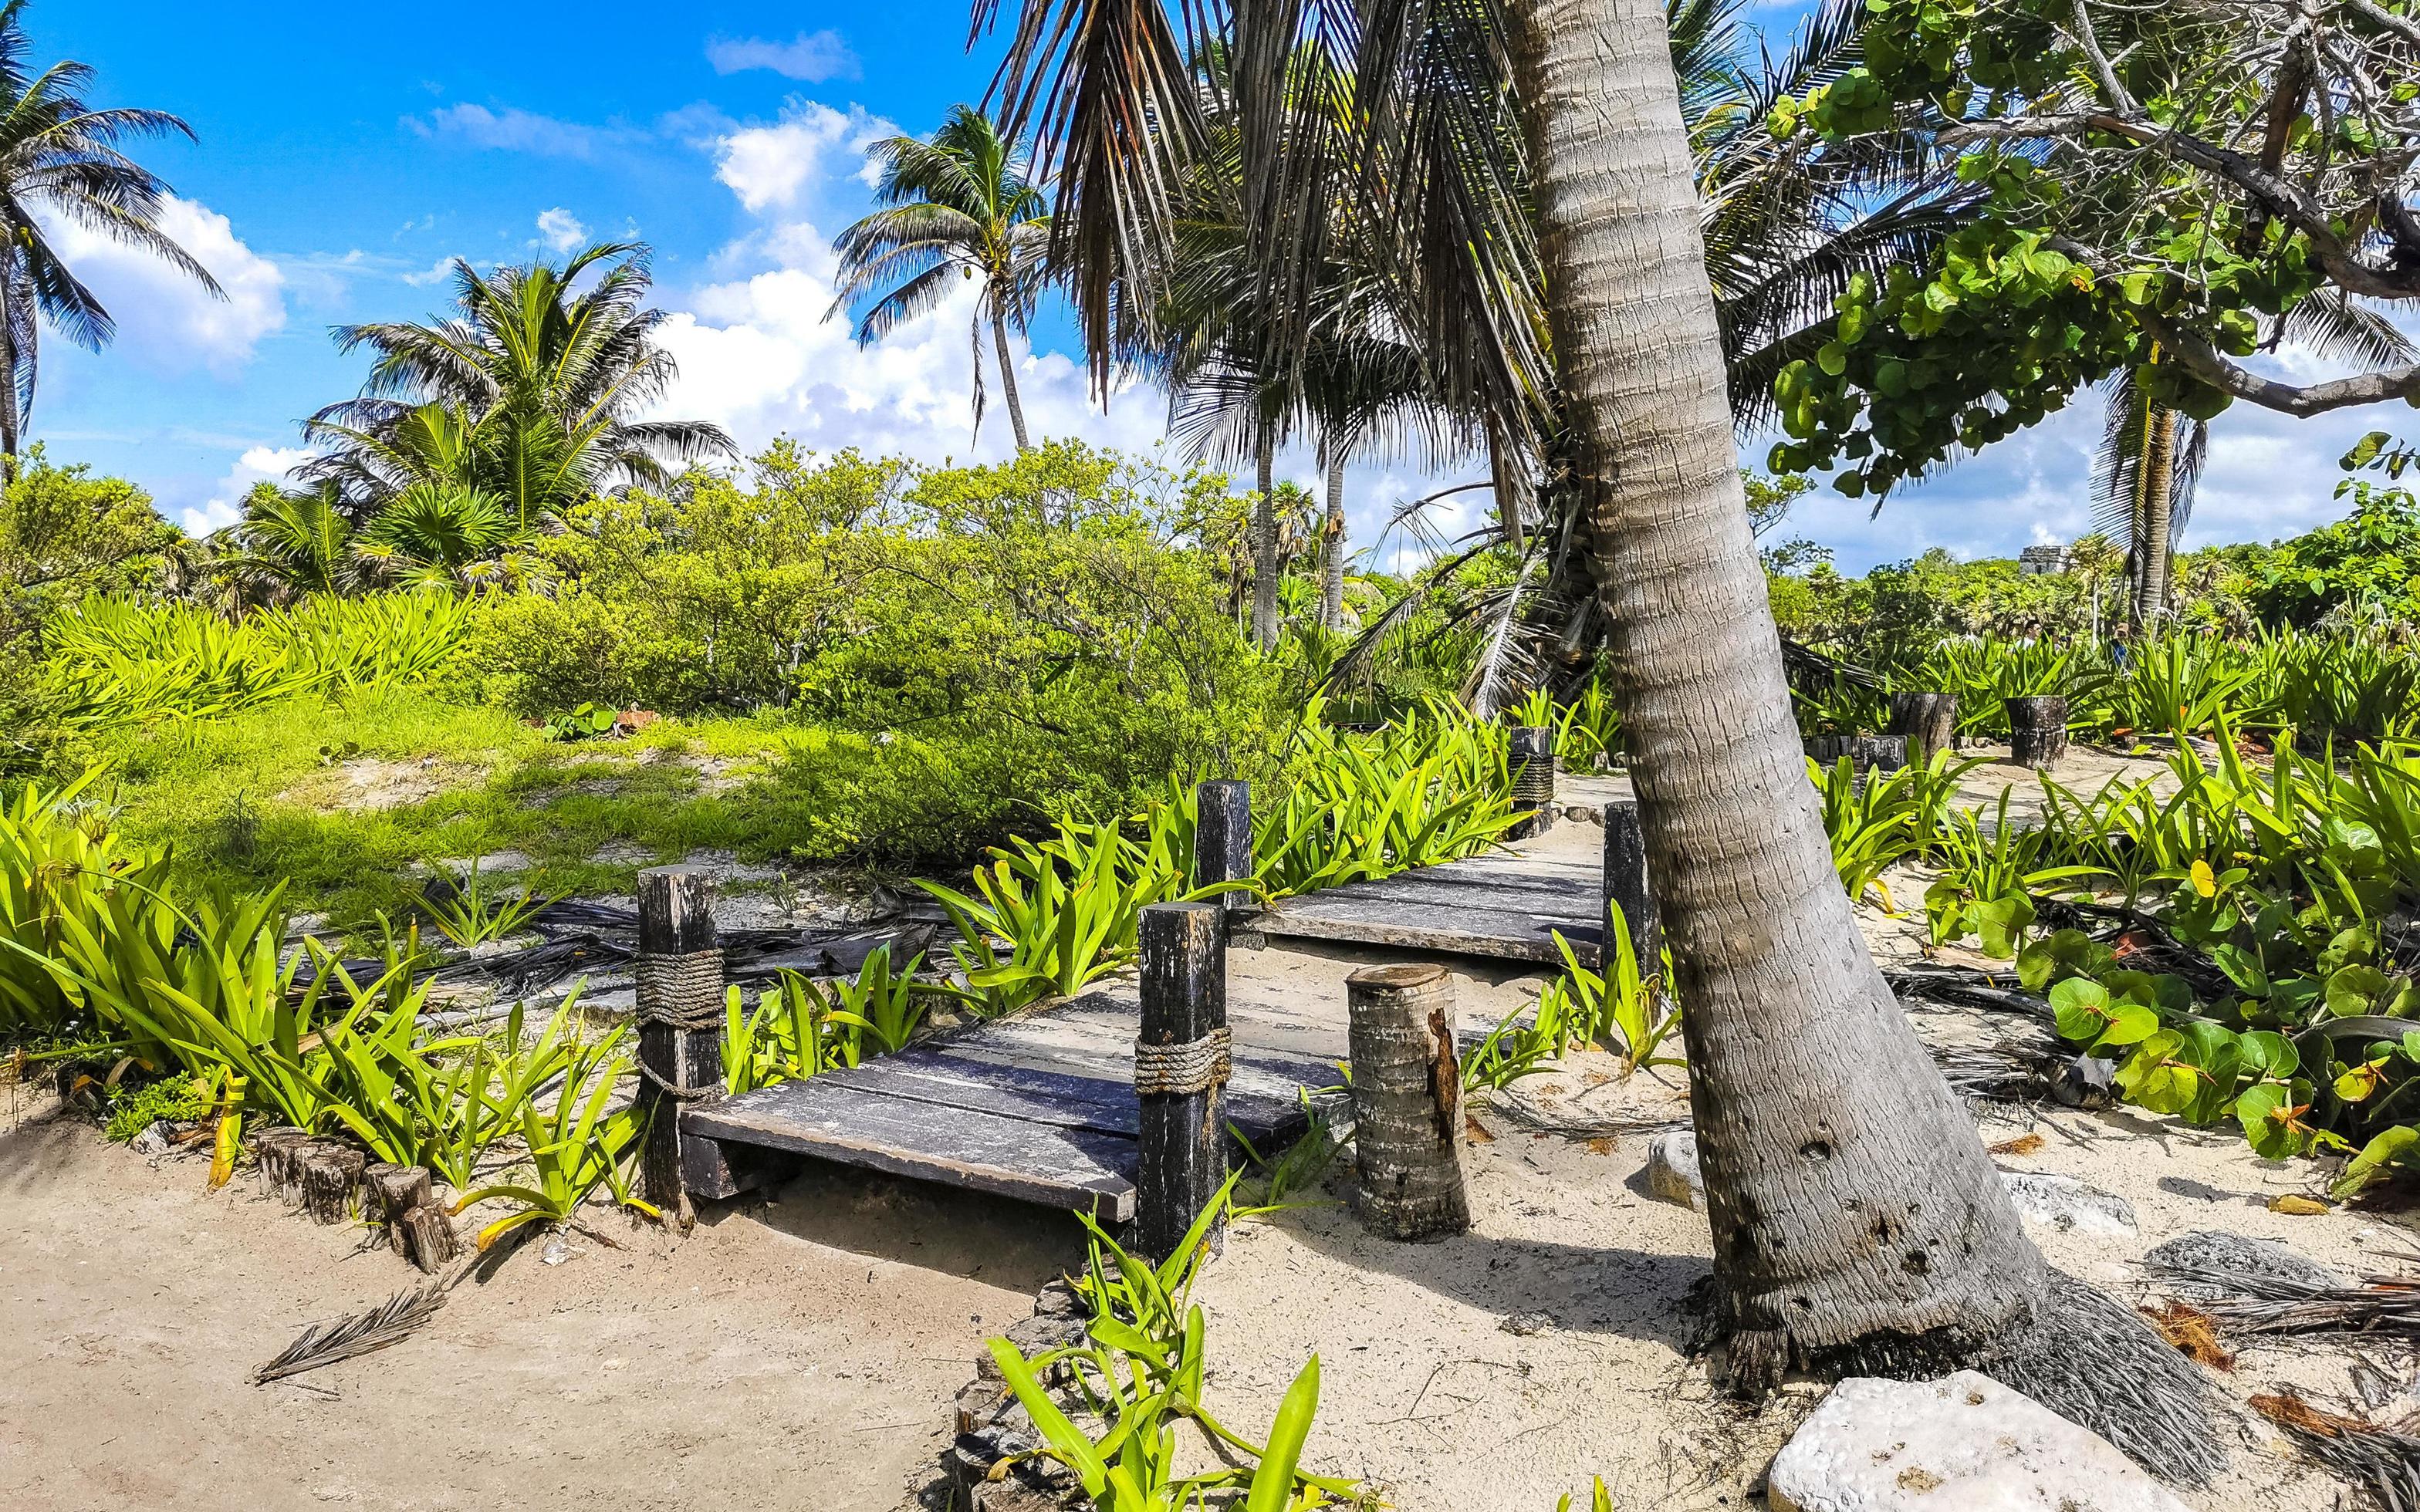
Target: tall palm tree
528 390
59 155
1849 1195
2149 462
960 205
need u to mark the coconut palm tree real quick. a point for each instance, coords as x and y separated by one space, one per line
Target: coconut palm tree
1849 1196
959 204
62 158
2149 462
529 389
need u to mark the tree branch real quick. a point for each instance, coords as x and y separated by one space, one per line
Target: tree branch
2213 367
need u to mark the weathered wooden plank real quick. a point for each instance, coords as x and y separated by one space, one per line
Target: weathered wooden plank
826 1118
1495 935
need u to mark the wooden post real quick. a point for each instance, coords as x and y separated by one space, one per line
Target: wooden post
2036 730
1181 1062
1406 1102
1929 721
1532 760
1626 884
680 1027
1222 842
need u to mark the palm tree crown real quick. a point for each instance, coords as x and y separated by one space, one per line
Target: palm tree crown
527 392
960 205
57 154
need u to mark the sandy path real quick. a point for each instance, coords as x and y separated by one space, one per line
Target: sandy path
799 1355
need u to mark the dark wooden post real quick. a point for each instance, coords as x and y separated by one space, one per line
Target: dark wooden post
1929 721
1406 1102
1533 760
680 1026
1626 883
1181 1059
2036 730
1222 842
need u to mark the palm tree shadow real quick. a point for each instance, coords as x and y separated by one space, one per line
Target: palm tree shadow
1610 1291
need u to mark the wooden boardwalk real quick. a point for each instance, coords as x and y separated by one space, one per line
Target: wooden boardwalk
1041 1107
1508 904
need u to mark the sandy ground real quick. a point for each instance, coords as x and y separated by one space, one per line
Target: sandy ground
801 1354
1437 1389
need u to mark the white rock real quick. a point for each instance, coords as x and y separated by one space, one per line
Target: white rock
1672 1173
154 1139
2067 1204
1965 1443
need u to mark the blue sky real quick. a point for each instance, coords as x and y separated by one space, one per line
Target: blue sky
347 155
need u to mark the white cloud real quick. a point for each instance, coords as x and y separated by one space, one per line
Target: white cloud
436 273
225 505
166 321
812 57
560 229
509 130
775 167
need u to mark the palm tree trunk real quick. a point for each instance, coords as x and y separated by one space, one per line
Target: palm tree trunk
2159 470
1008 378
1265 545
12 423
1331 550
1848 1193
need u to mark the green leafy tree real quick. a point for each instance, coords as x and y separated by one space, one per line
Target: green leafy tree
2364 567
63 158
2171 189
956 207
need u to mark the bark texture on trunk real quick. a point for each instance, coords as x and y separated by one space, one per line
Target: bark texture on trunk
1848 1193
2151 531
12 423
1008 378
1406 1102
1265 545
1331 550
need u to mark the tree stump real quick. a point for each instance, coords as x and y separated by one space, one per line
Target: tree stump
275 1154
1626 886
389 1192
1533 760
1181 1059
1928 720
332 1173
425 1236
1865 752
1406 1102
2037 730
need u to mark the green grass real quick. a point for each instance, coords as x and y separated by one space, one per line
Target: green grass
267 795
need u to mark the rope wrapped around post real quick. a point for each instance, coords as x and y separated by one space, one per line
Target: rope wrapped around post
1184 1056
683 993
679 970
1195 1066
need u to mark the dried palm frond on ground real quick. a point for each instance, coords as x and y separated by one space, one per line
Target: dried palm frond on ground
2253 1304
345 1339
2194 1332
2386 1462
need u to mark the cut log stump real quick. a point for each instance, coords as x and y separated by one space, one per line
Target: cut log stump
1406 1102
427 1237
2037 730
1928 720
332 1175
